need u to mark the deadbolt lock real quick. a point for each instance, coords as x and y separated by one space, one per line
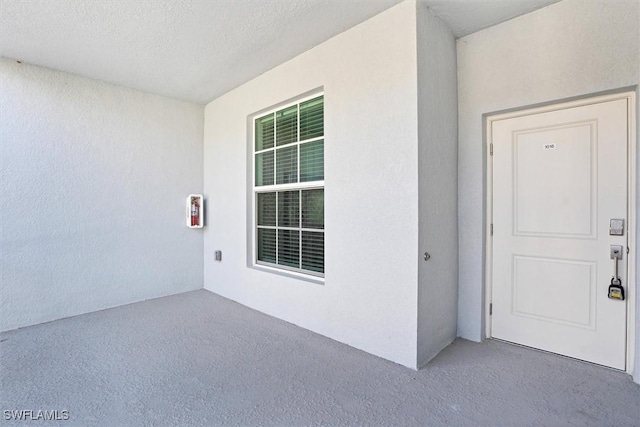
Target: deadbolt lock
616 227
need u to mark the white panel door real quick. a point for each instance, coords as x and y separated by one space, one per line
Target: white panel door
558 178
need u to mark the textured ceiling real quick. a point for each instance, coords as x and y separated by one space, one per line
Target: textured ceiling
468 16
197 50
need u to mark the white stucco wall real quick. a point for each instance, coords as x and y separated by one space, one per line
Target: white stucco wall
369 296
438 185
571 48
93 183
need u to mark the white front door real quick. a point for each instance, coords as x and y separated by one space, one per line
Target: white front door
559 177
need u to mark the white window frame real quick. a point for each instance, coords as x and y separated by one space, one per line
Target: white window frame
255 190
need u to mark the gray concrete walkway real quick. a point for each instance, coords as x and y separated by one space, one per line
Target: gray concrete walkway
197 359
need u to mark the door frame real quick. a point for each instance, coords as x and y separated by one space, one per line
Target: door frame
632 233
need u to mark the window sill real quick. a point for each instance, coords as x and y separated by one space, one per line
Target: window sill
291 274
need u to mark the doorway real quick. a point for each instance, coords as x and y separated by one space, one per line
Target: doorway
561 186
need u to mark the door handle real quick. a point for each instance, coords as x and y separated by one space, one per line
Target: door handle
616 254
616 291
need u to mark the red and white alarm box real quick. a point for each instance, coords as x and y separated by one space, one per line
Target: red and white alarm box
195 211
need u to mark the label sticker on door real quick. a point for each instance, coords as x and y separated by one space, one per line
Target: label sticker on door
549 146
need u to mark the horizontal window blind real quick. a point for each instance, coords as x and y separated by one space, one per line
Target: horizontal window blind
267 209
289 151
313 251
287 125
264 168
289 248
312 118
265 127
267 245
289 209
312 161
287 165
313 208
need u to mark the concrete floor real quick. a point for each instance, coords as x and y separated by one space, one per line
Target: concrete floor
197 359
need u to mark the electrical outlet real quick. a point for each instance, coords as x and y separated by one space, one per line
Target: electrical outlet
218 255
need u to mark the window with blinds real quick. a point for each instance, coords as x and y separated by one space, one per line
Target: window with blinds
289 187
